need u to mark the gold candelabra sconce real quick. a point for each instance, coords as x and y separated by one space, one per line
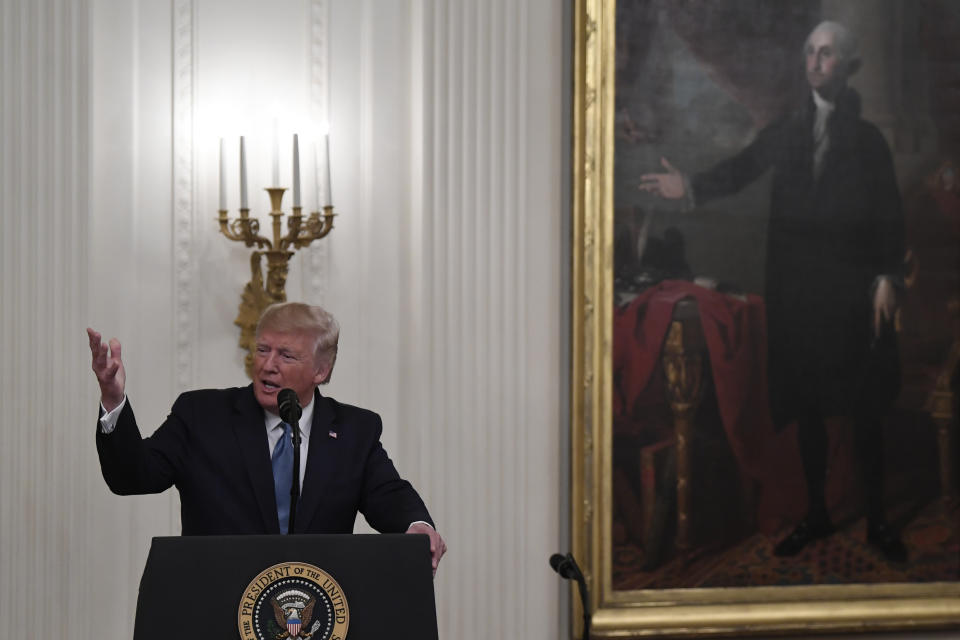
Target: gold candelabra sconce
261 292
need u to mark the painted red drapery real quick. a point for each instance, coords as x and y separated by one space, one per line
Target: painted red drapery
735 334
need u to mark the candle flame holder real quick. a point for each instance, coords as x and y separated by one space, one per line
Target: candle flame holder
258 294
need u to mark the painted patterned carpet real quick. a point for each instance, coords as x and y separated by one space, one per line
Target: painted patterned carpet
931 537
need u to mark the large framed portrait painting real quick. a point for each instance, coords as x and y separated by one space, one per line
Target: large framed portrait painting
766 315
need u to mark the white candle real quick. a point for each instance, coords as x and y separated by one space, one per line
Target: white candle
276 155
316 178
223 178
329 202
243 175
296 171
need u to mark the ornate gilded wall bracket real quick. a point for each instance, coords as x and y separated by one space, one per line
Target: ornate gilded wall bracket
259 293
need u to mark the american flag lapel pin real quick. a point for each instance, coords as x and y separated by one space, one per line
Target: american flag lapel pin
332 434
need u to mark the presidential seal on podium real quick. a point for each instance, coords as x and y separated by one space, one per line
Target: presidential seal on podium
293 600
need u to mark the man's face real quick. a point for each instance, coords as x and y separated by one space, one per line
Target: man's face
285 360
826 71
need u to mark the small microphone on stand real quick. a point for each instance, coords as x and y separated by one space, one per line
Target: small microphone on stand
567 567
288 406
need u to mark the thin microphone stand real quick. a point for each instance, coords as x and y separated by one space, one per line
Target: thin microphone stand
567 567
295 485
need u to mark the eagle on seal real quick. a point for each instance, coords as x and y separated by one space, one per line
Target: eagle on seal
295 619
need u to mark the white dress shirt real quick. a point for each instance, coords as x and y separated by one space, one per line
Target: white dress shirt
821 136
274 432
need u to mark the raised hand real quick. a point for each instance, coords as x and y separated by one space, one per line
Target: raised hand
109 370
666 185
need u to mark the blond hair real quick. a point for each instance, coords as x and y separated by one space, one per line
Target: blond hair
297 317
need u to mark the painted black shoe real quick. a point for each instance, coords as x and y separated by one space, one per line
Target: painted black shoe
809 530
888 542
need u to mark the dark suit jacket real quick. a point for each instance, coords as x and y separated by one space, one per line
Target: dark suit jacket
213 448
828 239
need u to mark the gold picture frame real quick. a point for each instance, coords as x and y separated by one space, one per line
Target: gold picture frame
697 612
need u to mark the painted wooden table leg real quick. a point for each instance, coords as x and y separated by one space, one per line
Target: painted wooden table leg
683 370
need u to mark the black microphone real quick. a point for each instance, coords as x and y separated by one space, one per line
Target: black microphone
567 567
288 405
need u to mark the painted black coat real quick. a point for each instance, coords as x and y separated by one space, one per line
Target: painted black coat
829 238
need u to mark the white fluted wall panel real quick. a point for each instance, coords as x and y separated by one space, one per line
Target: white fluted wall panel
47 512
458 180
446 275
473 222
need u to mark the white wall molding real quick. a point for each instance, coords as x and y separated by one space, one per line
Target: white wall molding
316 259
184 244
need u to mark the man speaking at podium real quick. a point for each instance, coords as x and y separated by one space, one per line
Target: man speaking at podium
230 455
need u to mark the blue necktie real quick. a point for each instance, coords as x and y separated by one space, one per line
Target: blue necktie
283 475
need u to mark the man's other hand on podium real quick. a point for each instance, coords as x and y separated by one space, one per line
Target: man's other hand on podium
437 546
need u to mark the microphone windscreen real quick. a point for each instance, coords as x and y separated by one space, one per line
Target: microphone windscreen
555 561
288 406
